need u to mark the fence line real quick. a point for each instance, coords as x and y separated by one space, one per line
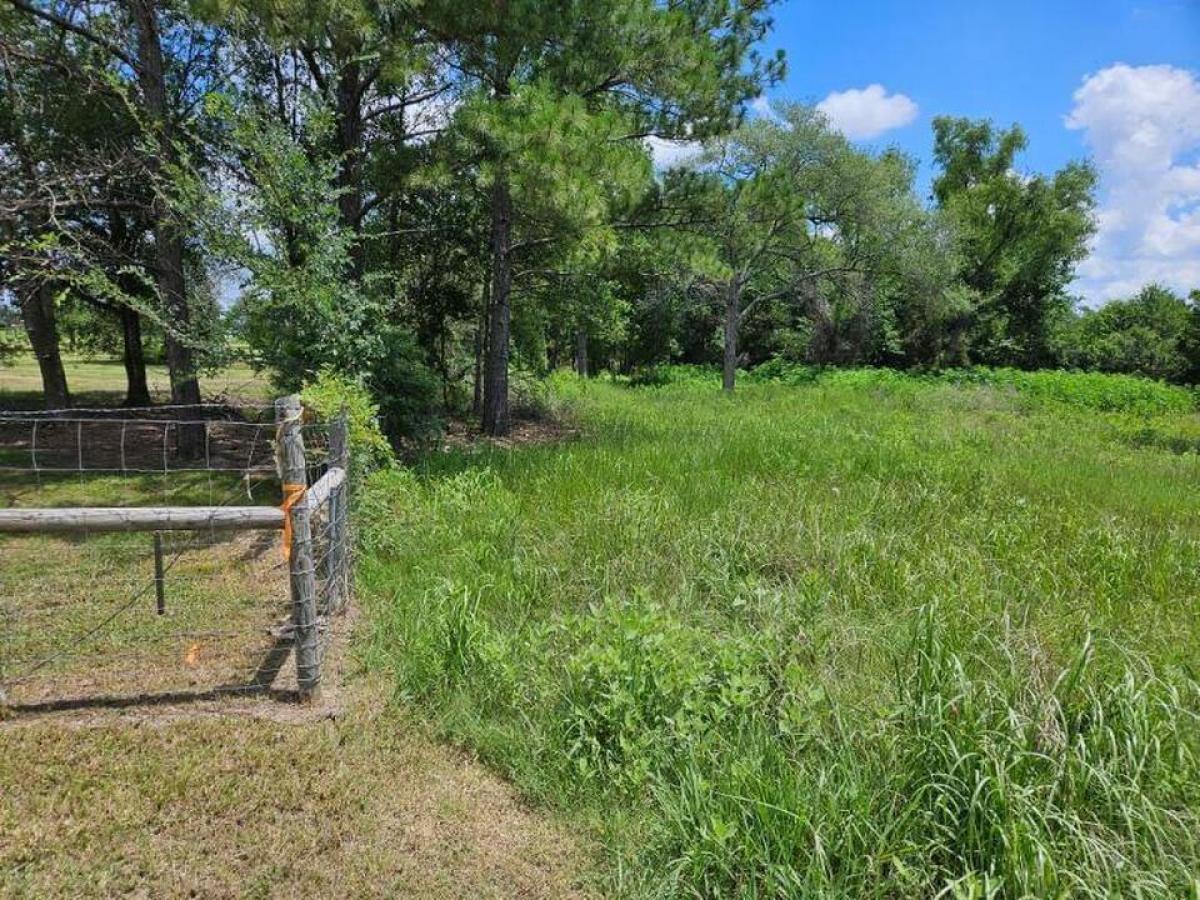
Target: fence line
311 473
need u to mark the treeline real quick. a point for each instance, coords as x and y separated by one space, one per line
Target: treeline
428 197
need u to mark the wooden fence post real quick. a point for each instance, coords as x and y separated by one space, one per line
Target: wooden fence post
292 471
339 455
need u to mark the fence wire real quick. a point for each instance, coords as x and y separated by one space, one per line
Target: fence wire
95 616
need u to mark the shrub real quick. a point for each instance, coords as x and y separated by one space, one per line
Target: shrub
642 688
329 395
1103 392
405 388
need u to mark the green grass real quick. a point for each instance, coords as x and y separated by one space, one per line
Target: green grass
861 636
79 611
101 382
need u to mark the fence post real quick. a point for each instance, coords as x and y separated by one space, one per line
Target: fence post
160 586
339 455
292 471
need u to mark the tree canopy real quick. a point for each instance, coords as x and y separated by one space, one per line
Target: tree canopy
428 197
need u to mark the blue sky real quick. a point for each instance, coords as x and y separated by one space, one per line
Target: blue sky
1112 79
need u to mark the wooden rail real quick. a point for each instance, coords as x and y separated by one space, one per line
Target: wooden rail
162 518
323 487
132 518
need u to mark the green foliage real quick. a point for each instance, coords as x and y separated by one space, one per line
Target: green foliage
299 311
871 634
1083 390
404 387
330 396
12 343
1086 390
1148 334
1019 237
641 689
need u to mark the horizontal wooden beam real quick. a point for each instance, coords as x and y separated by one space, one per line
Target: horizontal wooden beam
319 492
132 518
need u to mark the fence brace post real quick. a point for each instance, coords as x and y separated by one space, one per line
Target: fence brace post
303 579
339 455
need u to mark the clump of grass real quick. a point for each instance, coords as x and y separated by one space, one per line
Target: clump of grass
969 785
834 639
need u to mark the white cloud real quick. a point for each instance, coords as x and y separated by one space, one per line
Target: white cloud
672 153
1142 126
868 112
762 107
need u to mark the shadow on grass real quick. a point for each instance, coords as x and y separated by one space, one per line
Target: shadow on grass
260 685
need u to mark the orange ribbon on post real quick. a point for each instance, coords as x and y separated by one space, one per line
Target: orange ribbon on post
292 494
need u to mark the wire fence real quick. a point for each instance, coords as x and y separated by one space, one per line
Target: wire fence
156 553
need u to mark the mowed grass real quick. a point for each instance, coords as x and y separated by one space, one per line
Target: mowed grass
180 803
79 611
857 637
101 382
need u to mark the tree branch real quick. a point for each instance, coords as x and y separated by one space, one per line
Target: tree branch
81 30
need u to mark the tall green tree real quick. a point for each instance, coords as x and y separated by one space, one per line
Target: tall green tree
369 67
1020 236
160 60
74 201
794 214
552 85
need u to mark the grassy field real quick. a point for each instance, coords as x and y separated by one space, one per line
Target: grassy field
97 382
848 634
855 635
236 797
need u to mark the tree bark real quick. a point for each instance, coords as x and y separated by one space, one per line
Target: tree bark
581 352
168 241
350 136
481 328
137 391
38 314
733 315
496 420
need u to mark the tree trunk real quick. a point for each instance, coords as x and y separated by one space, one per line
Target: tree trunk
823 342
350 136
481 332
38 314
168 241
496 419
733 316
137 390
581 352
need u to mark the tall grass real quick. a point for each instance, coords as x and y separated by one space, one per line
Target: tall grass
1084 390
836 639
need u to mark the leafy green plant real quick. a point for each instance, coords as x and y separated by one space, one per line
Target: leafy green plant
830 639
331 395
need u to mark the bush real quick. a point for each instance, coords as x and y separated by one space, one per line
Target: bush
1103 392
405 388
1086 390
642 688
331 394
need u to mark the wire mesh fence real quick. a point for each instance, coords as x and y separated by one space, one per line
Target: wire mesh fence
153 553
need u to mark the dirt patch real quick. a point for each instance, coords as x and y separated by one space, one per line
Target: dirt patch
462 435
